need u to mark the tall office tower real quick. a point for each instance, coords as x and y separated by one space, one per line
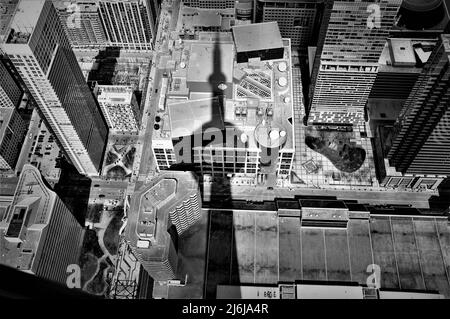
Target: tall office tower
38 234
356 33
81 21
40 51
422 141
13 126
160 212
298 20
153 11
10 92
127 24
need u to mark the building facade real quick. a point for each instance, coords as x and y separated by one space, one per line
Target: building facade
10 92
81 21
210 4
40 51
243 9
298 20
38 234
127 24
13 126
13 129
346 62
421 145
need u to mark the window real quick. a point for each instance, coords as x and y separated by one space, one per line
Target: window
301 22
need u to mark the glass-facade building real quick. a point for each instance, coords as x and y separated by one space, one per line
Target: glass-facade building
40 51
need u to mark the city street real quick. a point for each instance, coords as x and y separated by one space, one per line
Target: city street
257 193
102 190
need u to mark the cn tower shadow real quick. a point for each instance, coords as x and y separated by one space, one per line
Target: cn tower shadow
221 265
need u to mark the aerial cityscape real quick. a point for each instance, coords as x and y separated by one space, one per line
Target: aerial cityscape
225 149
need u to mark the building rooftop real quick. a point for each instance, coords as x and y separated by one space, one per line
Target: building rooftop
257 36
24 227
446 42
420 5
406 55
25 20
202 64
402 52
117 103
150 206
290 252
329 292
258 95
247 292
7 10
189 117
333 204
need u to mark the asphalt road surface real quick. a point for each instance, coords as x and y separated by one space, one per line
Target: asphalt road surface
418 200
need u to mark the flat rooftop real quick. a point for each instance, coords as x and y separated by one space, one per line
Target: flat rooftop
7 10
261 248
207 60
402 52
189 117
25 20
257 36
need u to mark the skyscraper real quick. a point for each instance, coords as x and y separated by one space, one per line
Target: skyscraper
347 58
13 126
159 213
10 92
13 129
38 234
422 141
40 51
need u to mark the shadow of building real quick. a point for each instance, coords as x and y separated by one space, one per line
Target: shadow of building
105 65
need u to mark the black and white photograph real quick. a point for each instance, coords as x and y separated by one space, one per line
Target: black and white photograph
215 156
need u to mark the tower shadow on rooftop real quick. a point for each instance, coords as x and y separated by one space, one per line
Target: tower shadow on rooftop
222 264
104 70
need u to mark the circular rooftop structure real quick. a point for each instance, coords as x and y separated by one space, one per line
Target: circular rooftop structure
282 81
421 14
270 136
244 138
282 67
421 5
